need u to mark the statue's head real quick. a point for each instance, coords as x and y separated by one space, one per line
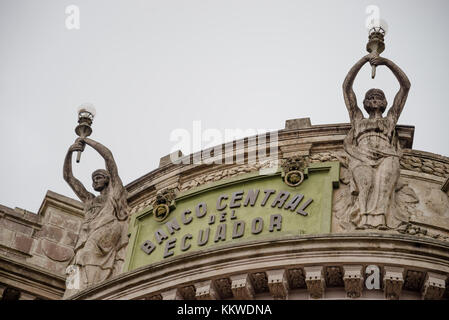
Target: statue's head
100 179
375 100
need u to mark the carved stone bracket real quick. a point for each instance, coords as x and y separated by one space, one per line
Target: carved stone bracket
278 283
206 291
393 282
353 279
241 287
173 294
434 286
315 281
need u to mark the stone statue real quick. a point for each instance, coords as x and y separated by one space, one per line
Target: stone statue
100 249
372 147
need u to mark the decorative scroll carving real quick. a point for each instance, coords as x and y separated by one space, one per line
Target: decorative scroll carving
353 280
393 282
206 291
434 286
315 281
242 287
278 284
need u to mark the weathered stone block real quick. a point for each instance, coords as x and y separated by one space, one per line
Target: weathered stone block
52 233
64 221
6 237
15 226
22 242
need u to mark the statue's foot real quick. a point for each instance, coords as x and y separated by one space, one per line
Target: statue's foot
382 227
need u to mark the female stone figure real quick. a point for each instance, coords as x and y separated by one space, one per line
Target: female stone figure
99 251
373 147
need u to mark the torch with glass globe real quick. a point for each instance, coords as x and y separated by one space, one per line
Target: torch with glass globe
376 33
86 114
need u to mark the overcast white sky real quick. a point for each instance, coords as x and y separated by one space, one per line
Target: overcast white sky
150 67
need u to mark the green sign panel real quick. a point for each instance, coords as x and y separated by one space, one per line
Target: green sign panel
248 207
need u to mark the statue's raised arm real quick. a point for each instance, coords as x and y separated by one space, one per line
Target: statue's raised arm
73 182
404 83
111 166
350 98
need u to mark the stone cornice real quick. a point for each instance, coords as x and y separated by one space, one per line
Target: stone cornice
31 279
412 253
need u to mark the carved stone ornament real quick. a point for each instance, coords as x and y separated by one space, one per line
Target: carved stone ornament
99 252
293 169
163 203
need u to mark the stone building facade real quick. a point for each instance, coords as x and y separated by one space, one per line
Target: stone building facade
411 259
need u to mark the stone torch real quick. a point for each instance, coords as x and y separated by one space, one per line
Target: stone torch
86 114
376 45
